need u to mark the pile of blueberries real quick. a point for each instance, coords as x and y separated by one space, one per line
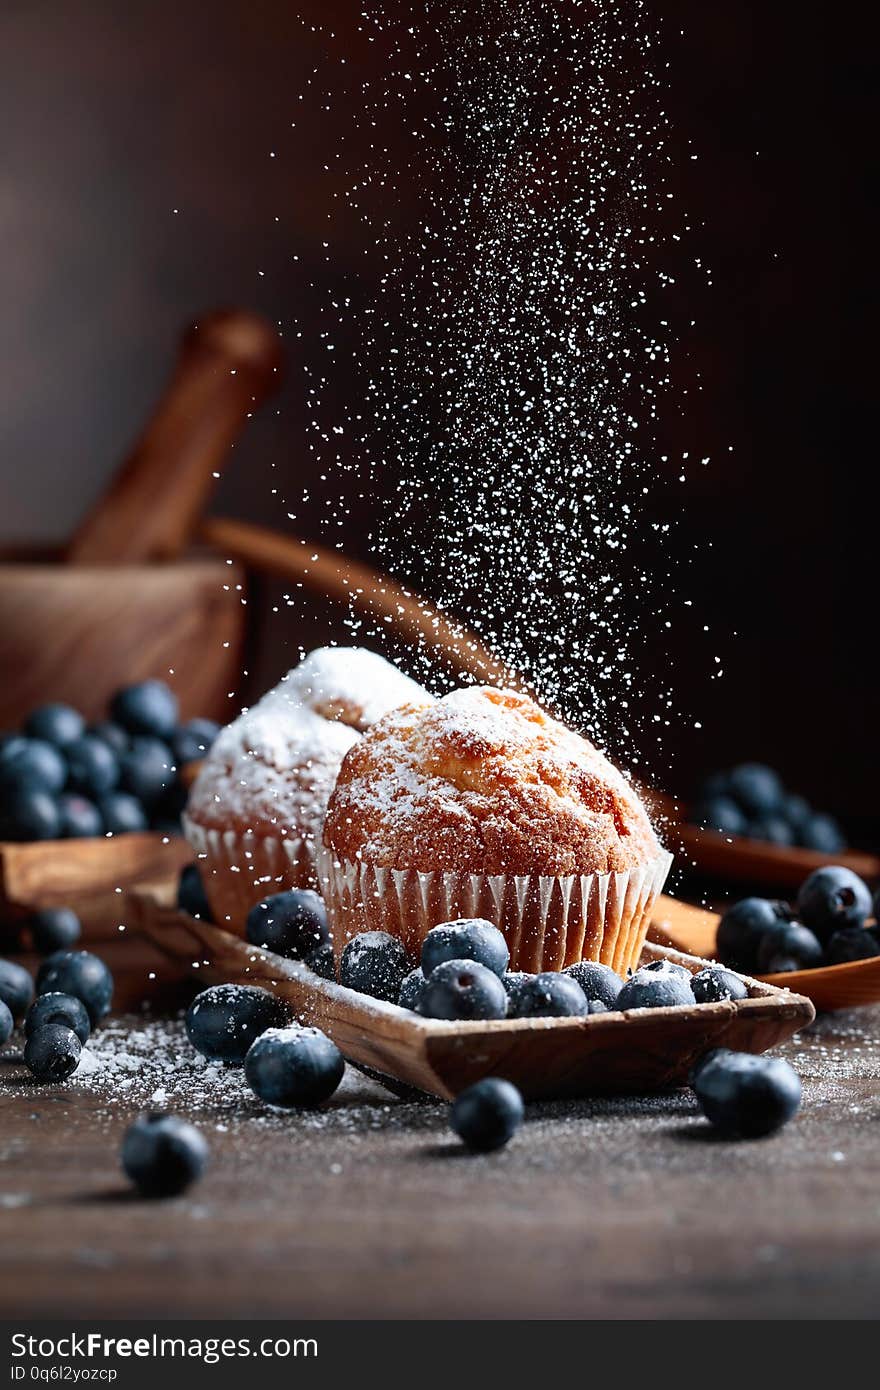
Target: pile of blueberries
751 800
60 779
828 925
463 975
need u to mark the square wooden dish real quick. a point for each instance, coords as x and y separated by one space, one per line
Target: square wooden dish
643 1050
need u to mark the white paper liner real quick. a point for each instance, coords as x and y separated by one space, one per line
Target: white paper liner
239 870
548 921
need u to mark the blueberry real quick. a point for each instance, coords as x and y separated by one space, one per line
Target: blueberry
716 784
713 984
58 1008
549 995
514 981
597 1006
31 764
790 940
16 987
466 939
832 898
292 924
7 1023
79 818
192 740
93 766
721 814
147 708
742 927
487 1115
757 789
597 981
822 833
191 895
322 961
52 1052
122 814
223 1021
374 963
781 964
746 1096
163 1155
463 989
797 812
112 734
27 813
411 989
147 770
79 973
851 943
665 988
773 830
294 1066
54 929
664 966
58 724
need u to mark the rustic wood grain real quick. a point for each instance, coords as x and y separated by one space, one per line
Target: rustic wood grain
78 633
67 873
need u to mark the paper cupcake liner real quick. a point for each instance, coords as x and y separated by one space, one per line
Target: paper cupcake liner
239 870
548 922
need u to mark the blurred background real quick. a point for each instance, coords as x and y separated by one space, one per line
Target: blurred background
138 187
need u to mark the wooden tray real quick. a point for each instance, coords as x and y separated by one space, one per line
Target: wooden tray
643 1050
848 986
65 873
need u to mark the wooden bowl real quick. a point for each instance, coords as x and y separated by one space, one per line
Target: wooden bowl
77 633
641 1050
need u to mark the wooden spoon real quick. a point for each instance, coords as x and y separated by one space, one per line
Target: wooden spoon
229 362
693 930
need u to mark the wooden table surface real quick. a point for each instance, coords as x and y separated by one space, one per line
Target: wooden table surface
370 1208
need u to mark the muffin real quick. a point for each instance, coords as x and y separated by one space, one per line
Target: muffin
481 805
256 809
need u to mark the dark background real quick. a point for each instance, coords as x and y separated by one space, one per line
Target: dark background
114 115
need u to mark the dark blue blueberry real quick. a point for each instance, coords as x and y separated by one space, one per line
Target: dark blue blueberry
122 814
192 740
721 814
549 995
597 1006
467 939
79 973
746 1096
294 1066
832 898
93 766
292 924
513 982
487 1115
742 927
27 813
411 989
7 1023
223 1021
714 984
664 988
797 812
851 943
597 981
79 818
773 830
191 895
58 724
171 804
781 965
58 1008
823 834
148 708
757 789
31 764
163 1155
792 941
717 784
148 770
54 929
463 989
52 1052
112 734
322 961
664 966
16 987
374 963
